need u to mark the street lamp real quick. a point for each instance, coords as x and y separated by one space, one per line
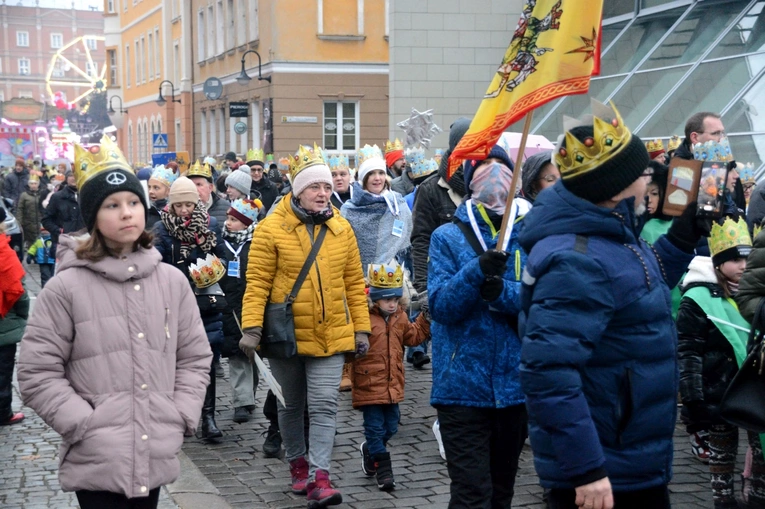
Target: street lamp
161 100
243 78
111 110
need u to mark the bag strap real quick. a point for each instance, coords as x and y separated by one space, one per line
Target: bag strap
308 263
469 236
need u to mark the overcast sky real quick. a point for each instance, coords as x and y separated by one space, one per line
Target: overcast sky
78 4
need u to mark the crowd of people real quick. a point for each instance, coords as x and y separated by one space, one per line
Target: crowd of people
570 333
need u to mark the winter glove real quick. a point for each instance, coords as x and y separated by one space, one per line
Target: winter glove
491 288
686 230
250 341
362 344
30 259
424 306
493 262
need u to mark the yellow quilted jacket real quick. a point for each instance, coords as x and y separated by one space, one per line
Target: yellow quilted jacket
331 306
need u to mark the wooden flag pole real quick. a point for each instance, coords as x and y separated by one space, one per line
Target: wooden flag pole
514 183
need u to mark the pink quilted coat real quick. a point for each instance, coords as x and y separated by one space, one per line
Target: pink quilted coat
115 359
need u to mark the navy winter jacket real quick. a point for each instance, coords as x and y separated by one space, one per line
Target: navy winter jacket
170 247
598 364
476 352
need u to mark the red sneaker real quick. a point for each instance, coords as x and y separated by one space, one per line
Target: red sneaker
299 473
321 493
15 419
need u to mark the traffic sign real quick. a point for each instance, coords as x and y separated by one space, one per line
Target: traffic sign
213 88
159 140
240 127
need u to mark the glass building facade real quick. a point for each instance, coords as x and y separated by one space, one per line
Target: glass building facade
664 60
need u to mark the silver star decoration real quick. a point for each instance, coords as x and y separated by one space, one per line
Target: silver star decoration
419 128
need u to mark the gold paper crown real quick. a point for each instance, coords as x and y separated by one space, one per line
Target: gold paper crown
96 159
654 145
730 234
199 170
610 137
206 272
385 276
674 142
305 158
255 154
393 146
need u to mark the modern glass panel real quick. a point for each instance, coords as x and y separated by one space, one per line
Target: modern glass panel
575 106
617 8
637 41
644 4
748 36
710 88
748 148
610 32
643 91
694 34
748 113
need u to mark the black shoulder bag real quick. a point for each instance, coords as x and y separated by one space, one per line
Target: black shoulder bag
278 340
743 403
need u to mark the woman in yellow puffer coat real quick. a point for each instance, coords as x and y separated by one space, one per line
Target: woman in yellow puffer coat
331 316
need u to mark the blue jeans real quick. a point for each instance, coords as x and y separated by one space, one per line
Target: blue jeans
380 424
317 381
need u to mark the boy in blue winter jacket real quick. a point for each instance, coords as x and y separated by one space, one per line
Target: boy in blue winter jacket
40 253
598 364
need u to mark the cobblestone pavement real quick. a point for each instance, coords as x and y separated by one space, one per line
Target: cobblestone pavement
246 479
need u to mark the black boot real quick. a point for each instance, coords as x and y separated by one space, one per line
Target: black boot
272 447
384 472
210 430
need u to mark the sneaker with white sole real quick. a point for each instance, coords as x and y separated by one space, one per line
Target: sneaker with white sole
700 446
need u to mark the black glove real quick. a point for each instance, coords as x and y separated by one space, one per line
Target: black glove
687 229
491 288
493 262
30 259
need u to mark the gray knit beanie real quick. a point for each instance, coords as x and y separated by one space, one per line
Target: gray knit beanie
240 181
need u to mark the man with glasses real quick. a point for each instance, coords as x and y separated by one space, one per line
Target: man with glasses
700 128
265 189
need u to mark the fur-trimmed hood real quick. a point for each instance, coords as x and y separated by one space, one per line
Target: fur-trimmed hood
700 271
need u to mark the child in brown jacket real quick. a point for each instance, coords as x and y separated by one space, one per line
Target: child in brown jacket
378 378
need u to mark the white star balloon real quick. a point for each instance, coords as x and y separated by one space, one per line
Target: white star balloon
419 128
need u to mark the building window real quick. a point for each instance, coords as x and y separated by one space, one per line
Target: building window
201 32
130 139
177 61
22 39
24 66
138 63
219 21
2 95
144 61
203 130
178 136
127 65
341 125
210 31
56 41
213 133
252 12
91 69
157 53
151 56
112 57
25 94
111 6
147 145
140 142
222 130
241 25
91 43
230 24
58 71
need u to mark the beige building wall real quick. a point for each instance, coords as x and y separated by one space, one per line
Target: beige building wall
443 55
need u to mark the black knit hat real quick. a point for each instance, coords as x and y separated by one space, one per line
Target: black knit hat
230 156
613 176
97 188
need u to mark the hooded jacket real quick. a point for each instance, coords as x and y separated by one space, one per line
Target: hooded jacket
706 357
29 213
531 169
751 287
378 377
476 350
115 359
599 365
265 190
330 306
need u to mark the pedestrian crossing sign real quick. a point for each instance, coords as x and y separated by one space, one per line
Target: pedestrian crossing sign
159 140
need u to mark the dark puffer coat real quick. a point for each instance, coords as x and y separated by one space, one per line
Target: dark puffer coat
170 247
433 207
234 288
266 191
707 361
751 287
62 214
598 364
211 304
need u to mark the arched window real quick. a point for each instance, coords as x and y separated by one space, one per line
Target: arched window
130 143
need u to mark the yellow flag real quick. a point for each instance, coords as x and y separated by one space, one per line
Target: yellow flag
554 51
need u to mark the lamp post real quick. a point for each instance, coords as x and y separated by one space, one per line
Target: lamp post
243 78
161 100
111 111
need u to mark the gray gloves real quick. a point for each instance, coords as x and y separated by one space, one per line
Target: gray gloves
250 341
362 344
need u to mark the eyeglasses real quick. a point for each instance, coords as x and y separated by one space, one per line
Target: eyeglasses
550 178
256 170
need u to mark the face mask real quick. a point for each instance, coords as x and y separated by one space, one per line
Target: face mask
491 186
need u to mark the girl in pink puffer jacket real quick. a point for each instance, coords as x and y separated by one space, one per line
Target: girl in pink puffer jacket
115 356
